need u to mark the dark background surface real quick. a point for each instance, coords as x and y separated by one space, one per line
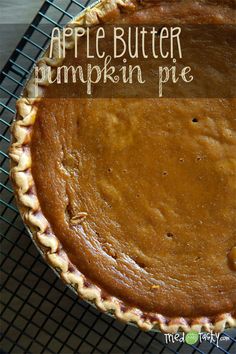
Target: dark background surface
14 12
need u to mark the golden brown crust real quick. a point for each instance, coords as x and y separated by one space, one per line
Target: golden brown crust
33 217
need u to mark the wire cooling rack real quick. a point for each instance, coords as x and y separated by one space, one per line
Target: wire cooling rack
38 313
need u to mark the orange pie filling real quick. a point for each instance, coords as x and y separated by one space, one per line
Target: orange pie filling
141 193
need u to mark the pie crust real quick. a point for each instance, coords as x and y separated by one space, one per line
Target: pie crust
33 217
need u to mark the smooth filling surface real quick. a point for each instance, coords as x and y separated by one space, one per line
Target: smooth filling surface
142 192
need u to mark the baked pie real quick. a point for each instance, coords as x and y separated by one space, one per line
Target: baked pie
133 200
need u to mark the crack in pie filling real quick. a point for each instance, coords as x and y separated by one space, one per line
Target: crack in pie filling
134 200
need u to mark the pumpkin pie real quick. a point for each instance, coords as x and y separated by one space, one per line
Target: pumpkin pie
133 200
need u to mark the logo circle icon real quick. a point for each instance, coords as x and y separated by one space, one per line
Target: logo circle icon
191 337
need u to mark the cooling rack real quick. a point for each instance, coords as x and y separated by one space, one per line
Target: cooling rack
38 313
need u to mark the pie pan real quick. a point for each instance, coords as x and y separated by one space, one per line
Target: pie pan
40 229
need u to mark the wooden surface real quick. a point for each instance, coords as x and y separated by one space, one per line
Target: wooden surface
15 17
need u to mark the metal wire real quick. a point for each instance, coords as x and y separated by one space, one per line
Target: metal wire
39 314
